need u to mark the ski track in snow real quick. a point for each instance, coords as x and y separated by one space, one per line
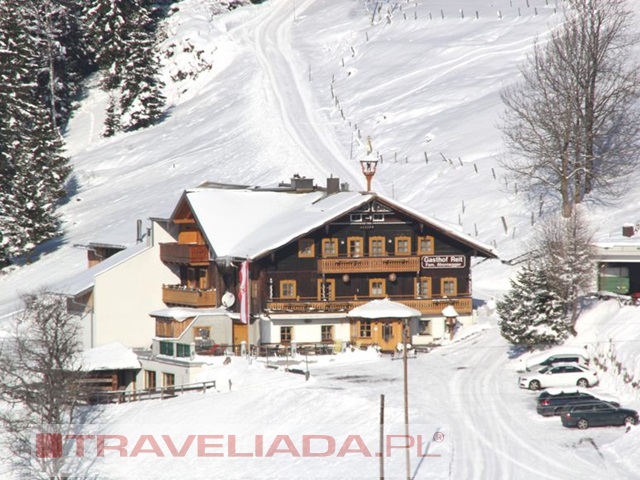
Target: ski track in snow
295 107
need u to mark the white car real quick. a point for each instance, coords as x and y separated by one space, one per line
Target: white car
554 356
559 375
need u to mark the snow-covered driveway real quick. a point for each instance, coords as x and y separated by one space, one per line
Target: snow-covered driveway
470 390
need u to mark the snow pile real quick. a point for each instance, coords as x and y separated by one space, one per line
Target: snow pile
611 332
112 356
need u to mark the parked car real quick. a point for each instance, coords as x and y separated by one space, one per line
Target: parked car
597 414
554 356
561 375
559 358
553 400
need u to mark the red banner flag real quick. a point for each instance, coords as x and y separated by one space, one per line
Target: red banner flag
244 292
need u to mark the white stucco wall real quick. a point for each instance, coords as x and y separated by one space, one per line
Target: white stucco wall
125 294
185 373
304 332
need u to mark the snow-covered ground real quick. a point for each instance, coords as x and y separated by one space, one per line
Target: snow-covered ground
300 86
463 399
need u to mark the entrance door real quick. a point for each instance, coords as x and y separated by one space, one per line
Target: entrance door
387 334
240 334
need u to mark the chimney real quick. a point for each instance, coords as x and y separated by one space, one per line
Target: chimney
333 185
301 184
138 231
628 230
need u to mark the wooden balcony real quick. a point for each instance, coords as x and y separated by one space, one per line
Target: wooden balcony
368 264
188 297
431 306
184 253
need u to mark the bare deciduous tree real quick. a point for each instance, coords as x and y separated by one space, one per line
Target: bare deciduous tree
572 122
39 367
565 252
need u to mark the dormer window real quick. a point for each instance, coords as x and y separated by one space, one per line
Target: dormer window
355 218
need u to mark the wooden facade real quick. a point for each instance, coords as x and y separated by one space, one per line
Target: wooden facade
372 252
376 250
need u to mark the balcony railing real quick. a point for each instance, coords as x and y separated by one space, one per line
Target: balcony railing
184 253
188 297
432 306
368 264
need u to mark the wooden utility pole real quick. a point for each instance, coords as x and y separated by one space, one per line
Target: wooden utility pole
381 437
405 334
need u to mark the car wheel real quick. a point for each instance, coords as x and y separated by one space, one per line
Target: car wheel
583 424
629 420
534 385
583 382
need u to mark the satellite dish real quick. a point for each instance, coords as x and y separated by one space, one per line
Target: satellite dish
228 299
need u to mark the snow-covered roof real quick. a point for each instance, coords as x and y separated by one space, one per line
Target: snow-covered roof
249 223
183 313
449 311
443 227
384 308
112 356
620 250
84 281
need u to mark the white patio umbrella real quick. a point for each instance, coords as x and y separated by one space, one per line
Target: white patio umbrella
384 308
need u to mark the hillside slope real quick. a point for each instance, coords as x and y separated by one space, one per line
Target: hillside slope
269 90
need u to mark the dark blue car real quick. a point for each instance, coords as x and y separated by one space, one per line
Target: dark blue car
597 414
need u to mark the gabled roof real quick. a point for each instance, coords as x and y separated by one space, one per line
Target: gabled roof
442 227
250 223
85 281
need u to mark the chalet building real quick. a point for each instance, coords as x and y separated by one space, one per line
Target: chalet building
283 265
112 298
618 262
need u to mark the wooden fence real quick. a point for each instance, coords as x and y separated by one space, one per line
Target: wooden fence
123 396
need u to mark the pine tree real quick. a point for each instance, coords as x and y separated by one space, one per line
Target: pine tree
112 120
108 23
142 101
531 313
123 43
64 58
32 167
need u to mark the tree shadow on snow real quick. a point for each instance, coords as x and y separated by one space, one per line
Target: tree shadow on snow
43 249
516 351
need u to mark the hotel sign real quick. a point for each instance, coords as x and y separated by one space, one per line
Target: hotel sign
443 261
